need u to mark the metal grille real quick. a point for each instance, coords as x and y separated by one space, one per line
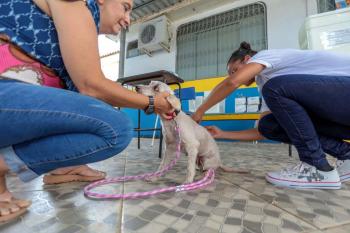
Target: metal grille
148 34
325 5
204 46
132 49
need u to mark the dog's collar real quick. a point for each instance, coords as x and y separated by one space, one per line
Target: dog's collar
173 114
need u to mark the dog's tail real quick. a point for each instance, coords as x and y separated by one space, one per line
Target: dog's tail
233 170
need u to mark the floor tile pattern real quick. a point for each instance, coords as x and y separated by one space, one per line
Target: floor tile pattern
233 203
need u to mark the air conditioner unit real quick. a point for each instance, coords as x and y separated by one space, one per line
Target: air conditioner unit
327 31
155 35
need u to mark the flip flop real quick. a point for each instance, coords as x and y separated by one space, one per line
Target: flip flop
58 179
72 176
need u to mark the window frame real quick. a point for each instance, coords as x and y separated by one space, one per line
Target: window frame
323 9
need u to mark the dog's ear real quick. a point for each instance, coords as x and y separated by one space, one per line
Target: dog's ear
174 102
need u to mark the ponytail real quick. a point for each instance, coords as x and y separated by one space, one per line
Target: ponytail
239 54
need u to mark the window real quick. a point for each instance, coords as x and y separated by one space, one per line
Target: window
204 46
325 5
132 50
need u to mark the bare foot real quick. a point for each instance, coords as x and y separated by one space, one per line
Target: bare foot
8 198
75 173
10 207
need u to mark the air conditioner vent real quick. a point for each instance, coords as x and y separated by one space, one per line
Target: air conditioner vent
148 34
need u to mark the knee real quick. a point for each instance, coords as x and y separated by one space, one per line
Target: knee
124 129
268 125
120 131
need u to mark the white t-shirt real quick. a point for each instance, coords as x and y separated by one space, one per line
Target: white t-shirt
292 61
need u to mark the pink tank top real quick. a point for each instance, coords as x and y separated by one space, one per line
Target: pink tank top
29 72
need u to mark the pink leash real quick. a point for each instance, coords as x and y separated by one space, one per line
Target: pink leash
206 180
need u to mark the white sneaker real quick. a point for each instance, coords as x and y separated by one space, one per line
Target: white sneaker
343 167
305 176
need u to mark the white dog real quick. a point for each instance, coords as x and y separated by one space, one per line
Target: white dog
195 139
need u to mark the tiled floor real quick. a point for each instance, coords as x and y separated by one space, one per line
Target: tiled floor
233 203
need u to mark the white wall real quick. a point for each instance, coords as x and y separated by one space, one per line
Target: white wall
284 19
109 63
110 66
142 64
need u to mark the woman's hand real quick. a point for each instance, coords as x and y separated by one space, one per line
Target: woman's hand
197 116
215 131
162 106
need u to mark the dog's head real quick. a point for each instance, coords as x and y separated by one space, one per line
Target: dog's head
156 87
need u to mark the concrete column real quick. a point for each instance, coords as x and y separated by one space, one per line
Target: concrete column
122 53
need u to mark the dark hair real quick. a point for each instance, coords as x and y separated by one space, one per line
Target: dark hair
239 54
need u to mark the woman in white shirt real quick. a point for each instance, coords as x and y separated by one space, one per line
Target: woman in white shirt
305 96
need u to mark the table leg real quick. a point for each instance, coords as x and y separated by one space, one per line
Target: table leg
138 127
160 142
290 150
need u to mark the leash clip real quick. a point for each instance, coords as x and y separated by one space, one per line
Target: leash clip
180 188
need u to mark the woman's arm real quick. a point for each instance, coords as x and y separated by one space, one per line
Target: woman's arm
79 48
227 86
243 135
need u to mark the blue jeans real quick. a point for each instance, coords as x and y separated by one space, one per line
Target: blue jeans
43 128
312 113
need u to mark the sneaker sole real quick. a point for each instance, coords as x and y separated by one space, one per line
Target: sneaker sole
345 177
306 185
